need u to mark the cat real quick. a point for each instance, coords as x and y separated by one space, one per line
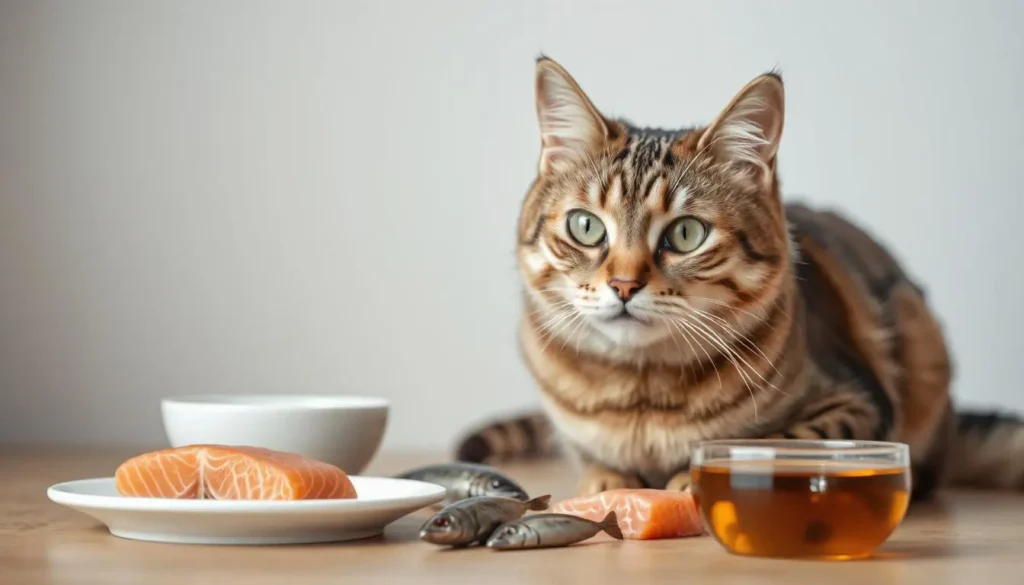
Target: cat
670 295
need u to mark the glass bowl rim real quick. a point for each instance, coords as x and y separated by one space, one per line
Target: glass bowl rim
812 447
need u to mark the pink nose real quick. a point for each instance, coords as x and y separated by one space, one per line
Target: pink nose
625 289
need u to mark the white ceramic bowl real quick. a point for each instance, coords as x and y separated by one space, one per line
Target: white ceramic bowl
345 431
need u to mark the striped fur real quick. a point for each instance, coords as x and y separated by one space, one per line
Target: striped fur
785 321
525 436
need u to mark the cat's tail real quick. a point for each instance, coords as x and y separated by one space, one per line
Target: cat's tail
526 435
988 451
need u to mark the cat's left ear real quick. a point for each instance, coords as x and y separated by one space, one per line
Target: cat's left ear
749 129
571 128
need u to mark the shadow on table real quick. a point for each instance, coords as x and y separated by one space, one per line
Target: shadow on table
937 537
404 530
909 551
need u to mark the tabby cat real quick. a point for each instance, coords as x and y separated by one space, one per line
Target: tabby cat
670 295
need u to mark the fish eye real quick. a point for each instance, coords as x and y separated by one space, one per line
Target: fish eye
585 228
509 531
495 483
684 235
441 522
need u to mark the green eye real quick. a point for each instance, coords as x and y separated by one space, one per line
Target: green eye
685 235
585 228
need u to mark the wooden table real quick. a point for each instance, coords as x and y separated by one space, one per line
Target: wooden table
969 538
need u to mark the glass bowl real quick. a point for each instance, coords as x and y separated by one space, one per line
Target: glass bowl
801 499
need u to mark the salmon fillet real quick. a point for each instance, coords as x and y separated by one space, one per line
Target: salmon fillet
643 514
218 472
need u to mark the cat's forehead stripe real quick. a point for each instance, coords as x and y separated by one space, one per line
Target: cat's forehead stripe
642 160
656 192
677 197
645 154
614 192
594 193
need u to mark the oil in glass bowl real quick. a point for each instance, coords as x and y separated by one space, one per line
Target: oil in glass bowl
801 499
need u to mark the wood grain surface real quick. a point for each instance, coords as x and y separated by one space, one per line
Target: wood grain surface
965 538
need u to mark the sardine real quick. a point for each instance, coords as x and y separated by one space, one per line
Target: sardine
550 530
474 519
467 480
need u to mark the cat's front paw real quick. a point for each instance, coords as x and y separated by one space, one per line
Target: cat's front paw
679 482
597 479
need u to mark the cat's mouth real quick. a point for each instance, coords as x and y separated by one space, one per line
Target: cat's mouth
628 326
624 316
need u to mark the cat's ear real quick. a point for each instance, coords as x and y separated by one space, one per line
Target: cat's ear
571 128
749 129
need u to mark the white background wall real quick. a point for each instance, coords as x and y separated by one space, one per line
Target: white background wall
321 196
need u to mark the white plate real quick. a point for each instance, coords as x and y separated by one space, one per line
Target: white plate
380 501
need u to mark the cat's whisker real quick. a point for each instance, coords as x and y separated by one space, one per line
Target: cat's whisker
743 339
593 164
554 333
537 296
698 325
549 317
546 311
578 345
561 306
725 351
690 312
694 160
743 371
551 308
689 298
559 302
726 347
760 318
582 320
700 363
683 325
548 326
551 329
560 289
689 362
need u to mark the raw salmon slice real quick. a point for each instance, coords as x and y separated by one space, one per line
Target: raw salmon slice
218 472
644 514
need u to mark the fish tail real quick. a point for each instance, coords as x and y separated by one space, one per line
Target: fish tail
610 525
538 503
526 435
987 451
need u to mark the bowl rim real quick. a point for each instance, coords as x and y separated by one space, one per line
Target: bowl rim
803 443
812 447
258 401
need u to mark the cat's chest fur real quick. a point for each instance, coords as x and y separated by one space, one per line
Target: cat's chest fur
651 444
640 420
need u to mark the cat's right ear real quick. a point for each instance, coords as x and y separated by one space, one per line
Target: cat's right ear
571 128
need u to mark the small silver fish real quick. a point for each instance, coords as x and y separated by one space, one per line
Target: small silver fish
550 530
474 519
467 480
